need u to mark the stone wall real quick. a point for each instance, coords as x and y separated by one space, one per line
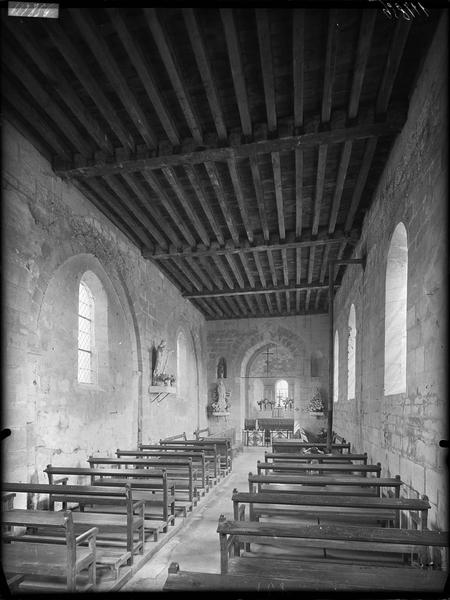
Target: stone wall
402 431
240 342
52 235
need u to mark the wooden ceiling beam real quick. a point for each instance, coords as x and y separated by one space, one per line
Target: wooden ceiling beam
213 310
192 263
179 276
237 71
298 62
205 70
60 85
312 255
214 177
94 39
47 104
306 241
204 202
178 220
232 167
361 181
173 71
227 309
390 70
275 289
320 181
272 269
259 268
235 270
282 314
285 266
187 271
269 303
260 303
156 215
339 187
34 118
259 196
78 65
263 27
221 267
278 301
211 272
120 208
298 191
246 267
330 61
276 166
141 64
172 178
366 28
251 150
242 306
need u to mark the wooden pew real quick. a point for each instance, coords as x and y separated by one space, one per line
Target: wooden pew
223 446
262 575
229 434
150 486
301 467
297 446
116 530
356 539
370 486
198 459
321 458
180 471
317 506
212 455
64 560
178 436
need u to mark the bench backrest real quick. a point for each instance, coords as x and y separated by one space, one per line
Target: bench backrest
178 436
197 432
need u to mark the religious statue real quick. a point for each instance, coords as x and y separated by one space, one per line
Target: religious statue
159 372
221 404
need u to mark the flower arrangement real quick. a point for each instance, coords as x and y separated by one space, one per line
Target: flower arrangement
164 379
316 404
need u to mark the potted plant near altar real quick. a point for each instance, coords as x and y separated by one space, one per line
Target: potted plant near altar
316 405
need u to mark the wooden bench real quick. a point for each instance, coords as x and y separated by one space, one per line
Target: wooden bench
301 467
115 530
229 434
178 436
66 560
179 471
320 458
150 486
265 575
223 448
370 485
357 540
198 459
297 446
317 506
212 455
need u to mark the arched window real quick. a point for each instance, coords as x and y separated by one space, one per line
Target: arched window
281 392
316 363
336 367
86 328
182 368
395 313
351 354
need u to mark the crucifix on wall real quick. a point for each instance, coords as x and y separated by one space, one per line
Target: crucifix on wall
267 360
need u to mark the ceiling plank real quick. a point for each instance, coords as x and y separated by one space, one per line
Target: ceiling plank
205 70
227 308
173 71
172 178
212 310
259 268
219 264
150 178
232 167
307 240
198 189
368 19
237 72
330 61
298 275
94 39
320 181
120 209
361 181
278 301
323 270
141 64
339 187
77 63
285 266
278 193
187 271
273 272
269 303
390 70
263 27
156 215
179 276
292 287
235 270
390 126
246 267
34 118
298 191
312 254
259 196
260 303
16 66
282 314
211 272
192 263
214 177
241 305
298 61
61 85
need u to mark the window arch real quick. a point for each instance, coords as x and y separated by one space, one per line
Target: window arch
396 313
336 367
86 330
351 354
182 366
281 392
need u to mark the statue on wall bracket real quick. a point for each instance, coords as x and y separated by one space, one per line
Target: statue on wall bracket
160 376
221 404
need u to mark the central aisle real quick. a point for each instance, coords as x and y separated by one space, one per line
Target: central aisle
196 546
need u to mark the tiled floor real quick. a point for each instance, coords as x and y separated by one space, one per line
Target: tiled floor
196 546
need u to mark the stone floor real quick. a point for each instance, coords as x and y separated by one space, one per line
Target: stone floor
196 546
